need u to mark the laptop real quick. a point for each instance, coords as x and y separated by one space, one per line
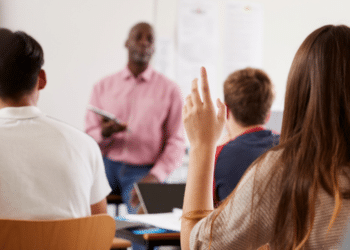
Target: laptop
159 197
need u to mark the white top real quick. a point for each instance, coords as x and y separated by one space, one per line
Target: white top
48 169
233 230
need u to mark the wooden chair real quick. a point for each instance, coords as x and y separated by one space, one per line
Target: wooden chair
120 244
94 233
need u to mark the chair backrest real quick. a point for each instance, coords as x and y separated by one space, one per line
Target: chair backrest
94 232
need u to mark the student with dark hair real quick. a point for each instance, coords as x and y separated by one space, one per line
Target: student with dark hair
296 195
248 96
49 170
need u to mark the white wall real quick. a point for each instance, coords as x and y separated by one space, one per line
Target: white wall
83 40
287 23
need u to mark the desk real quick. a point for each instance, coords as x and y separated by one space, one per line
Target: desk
150 240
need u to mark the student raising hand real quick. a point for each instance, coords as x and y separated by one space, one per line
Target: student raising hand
203 127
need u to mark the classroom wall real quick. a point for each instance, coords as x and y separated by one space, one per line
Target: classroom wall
84 40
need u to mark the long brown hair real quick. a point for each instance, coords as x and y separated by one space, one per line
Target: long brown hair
315 137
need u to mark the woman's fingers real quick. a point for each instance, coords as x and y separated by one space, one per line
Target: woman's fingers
195 93
202 123
205 87
194 98
189 102
222 111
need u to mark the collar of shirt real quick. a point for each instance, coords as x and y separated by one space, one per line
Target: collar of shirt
25 112
252 130
248 131
145 76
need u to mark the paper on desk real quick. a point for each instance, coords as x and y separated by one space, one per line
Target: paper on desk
123 223
170 221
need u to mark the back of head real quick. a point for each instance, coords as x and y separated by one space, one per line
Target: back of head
318 88
249 95
21 58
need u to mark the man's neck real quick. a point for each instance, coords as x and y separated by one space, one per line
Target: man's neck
235 130
24 101
137 68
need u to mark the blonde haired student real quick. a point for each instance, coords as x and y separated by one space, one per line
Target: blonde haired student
295 196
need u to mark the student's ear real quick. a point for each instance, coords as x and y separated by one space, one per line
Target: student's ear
127 43
227 111
42 79
268 117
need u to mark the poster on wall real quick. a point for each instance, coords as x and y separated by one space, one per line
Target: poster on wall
243 36
197 43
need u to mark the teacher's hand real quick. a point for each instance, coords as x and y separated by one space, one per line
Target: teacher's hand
203 126
109 127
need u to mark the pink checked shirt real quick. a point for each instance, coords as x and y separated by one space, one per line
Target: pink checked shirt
151 106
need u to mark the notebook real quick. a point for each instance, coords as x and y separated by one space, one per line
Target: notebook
160 198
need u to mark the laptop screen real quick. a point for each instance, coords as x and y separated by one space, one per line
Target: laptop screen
160 198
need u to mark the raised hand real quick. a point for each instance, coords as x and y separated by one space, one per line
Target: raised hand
202 124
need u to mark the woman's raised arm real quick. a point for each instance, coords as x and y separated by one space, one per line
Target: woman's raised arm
203 127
